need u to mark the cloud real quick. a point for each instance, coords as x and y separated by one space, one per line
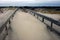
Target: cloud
8 1
27 1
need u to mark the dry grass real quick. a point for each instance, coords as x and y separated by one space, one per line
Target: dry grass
50 11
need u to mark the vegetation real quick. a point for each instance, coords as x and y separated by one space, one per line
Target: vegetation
50 11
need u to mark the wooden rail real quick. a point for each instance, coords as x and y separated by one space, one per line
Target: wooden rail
4 28
45 18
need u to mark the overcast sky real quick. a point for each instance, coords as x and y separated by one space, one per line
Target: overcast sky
28 1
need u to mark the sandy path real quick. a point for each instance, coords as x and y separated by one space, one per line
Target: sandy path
26 27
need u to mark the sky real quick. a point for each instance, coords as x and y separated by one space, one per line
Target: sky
30 2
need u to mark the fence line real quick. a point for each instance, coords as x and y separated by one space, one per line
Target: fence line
45 18
4 28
